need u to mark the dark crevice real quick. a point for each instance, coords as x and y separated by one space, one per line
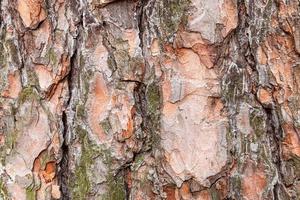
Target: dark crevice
140 24
140 101
64 173
64 164
127 188
131 81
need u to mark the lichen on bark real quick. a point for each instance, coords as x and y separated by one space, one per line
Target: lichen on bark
149 99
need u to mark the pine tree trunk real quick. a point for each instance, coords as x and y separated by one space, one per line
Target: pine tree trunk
150 99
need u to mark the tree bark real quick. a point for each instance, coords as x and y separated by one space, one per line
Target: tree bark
150 99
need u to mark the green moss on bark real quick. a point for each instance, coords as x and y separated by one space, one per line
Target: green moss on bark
105 124
80 111
116 188
81 185
30 194
52 57
2 55
10 141
257 122
153 99
3 190
32 78
28 93
214 194
138 162
172 13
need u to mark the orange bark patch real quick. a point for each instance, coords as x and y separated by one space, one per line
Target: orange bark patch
98 102
264 96
189 64
230 18
291 141
14 86
128 179
206 54
170 191
254 182
31 11
128 133
37 165
49 172
281 60
185 191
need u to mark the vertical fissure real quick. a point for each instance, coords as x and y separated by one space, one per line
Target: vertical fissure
64 164
276 135
67 120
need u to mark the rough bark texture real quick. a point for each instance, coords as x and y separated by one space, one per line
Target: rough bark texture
150 99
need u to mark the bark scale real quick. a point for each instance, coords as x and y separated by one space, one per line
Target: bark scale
150 99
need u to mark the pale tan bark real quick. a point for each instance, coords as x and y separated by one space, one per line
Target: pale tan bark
149 99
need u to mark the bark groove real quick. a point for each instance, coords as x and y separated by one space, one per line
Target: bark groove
154 99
